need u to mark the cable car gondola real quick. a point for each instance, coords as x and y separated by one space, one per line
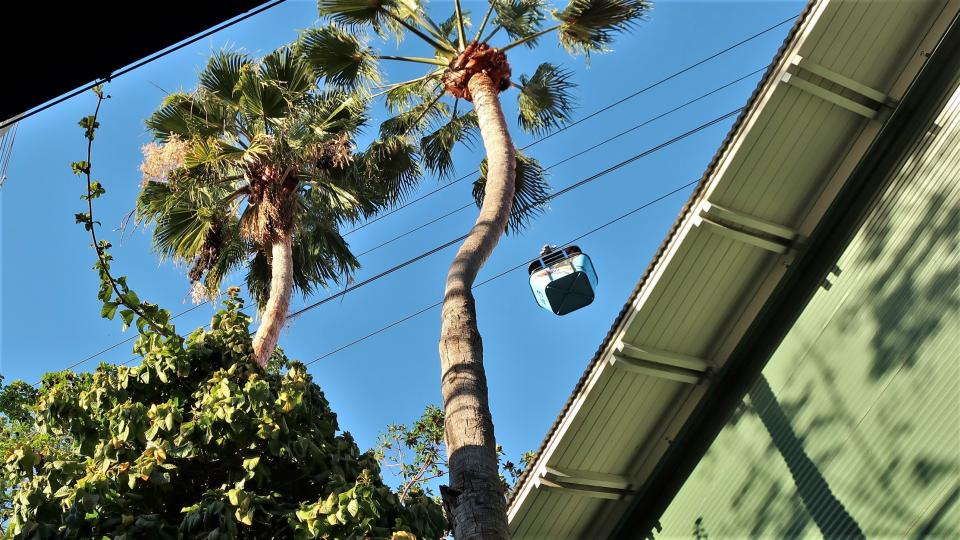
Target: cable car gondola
562 279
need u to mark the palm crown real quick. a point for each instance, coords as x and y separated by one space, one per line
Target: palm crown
255 153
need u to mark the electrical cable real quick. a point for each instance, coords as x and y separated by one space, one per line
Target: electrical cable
500 275
591 115
453 241
573 156
552 196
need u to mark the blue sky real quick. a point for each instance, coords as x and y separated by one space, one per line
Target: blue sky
50 314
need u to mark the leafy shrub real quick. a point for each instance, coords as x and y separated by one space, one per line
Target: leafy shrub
200 442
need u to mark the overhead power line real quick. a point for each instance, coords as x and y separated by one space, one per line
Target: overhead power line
523 264
591 115
552 196
601 110
143 62
453 241
572 156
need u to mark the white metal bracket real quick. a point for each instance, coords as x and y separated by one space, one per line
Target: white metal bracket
585 483
660 364
743 228
875 100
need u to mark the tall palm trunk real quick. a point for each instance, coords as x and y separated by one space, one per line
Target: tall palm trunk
827 512
475 500
275 312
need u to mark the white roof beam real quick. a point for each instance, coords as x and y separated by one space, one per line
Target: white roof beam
586 478
662 357
738 235
721 214
584 483
800 65
653 369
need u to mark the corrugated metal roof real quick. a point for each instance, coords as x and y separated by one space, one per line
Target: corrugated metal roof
775 165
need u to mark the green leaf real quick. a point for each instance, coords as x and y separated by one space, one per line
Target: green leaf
108 310
127 316
392 164
80 167
353 507
328 504
418 118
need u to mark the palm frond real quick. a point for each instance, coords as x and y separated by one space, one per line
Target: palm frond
258 278
232 253
338 56
448 28
402 97
321 255
329 197
222 74
288 71
419 117
546 99
332 112
521 18
589 25
392 165
437 147
251 94
530 196
184 116
182 222
357 14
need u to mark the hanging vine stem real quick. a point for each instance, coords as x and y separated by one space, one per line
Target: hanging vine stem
118 286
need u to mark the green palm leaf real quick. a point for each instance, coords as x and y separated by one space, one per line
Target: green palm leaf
231 255
288 72
589 25
448 28
546 99
337 55
183 115
530 196
521 18
182 219
392 166
420 117
437 147
321 255
357 14
222 74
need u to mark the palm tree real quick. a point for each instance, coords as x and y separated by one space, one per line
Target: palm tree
511 186
255 169
829 514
